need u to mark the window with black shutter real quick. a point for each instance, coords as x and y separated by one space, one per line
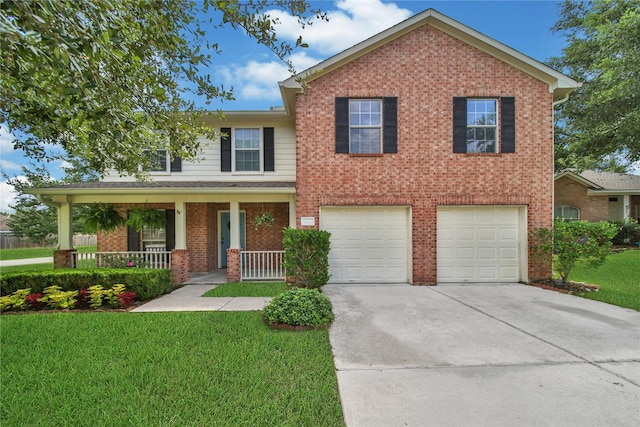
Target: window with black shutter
366 126
475 125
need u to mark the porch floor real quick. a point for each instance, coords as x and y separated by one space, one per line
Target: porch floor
210 278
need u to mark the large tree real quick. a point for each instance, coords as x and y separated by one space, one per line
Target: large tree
599 126
107 80
33 218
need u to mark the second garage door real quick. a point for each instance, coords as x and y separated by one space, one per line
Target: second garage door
368 244
478 244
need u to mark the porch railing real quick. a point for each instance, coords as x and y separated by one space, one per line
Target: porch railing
262 265
145 259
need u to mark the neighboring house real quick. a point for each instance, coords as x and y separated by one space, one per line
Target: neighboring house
426 150
596 196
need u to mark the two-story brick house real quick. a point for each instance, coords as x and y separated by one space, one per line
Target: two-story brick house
426 150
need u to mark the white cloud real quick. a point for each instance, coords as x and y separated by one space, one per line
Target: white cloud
6 165
7 197
6 138
352 22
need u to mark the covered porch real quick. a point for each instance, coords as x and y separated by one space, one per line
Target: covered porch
210 227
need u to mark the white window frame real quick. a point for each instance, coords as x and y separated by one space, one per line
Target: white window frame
562 216
481 126
260 152
367 126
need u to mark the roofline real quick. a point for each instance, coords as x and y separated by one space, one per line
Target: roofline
61 191
613 192
559 84
578 178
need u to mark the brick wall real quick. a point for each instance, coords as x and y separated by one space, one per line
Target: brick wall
265 238
569 192
425 69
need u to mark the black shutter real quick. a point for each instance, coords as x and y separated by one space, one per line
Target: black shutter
459 125
170 227
342 125
390 125
176 164
132 239
508 128
269 149
225 150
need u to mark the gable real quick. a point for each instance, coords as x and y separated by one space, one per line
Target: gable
557 83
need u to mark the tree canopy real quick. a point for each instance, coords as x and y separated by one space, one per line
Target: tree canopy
108 82
34 219
599 126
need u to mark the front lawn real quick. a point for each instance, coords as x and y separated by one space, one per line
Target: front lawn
247 289
164 369
22 253
619 279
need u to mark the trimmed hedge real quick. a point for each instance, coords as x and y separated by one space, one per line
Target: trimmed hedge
299 307
146 283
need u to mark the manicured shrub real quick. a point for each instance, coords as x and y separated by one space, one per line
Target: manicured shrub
306 257
628 231
299 307
146 283
570 241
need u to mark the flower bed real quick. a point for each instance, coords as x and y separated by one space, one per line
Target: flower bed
567 288
54 298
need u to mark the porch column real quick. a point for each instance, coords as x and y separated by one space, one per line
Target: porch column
180 260
65 225
233 253
63 256
626 207
181 225
234 226
292 211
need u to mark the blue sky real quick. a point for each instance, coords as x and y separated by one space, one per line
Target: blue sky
254 72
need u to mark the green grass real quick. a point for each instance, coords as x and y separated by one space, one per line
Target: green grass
28 267
223 369
10 254
619 279
247 289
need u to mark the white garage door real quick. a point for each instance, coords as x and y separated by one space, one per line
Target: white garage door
368 244
478 244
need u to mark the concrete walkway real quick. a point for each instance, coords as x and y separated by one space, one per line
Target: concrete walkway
492 355
25 261
189 298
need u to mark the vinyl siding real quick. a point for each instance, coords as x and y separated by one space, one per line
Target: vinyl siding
208 168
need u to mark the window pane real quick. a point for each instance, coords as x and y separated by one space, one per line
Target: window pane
248 160
158 160
365 141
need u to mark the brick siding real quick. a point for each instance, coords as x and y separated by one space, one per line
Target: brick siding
425 69
569 192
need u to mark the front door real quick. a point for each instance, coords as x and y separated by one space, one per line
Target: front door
225 235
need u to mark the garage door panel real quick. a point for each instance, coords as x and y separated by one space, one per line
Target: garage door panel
478 244
372 243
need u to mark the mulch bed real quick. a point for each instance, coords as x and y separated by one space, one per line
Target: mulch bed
566 288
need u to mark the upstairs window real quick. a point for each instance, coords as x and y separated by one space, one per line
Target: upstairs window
157 160
247 149
566 212
484 125
365 126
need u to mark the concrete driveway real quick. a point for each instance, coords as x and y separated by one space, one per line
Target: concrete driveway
483 355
